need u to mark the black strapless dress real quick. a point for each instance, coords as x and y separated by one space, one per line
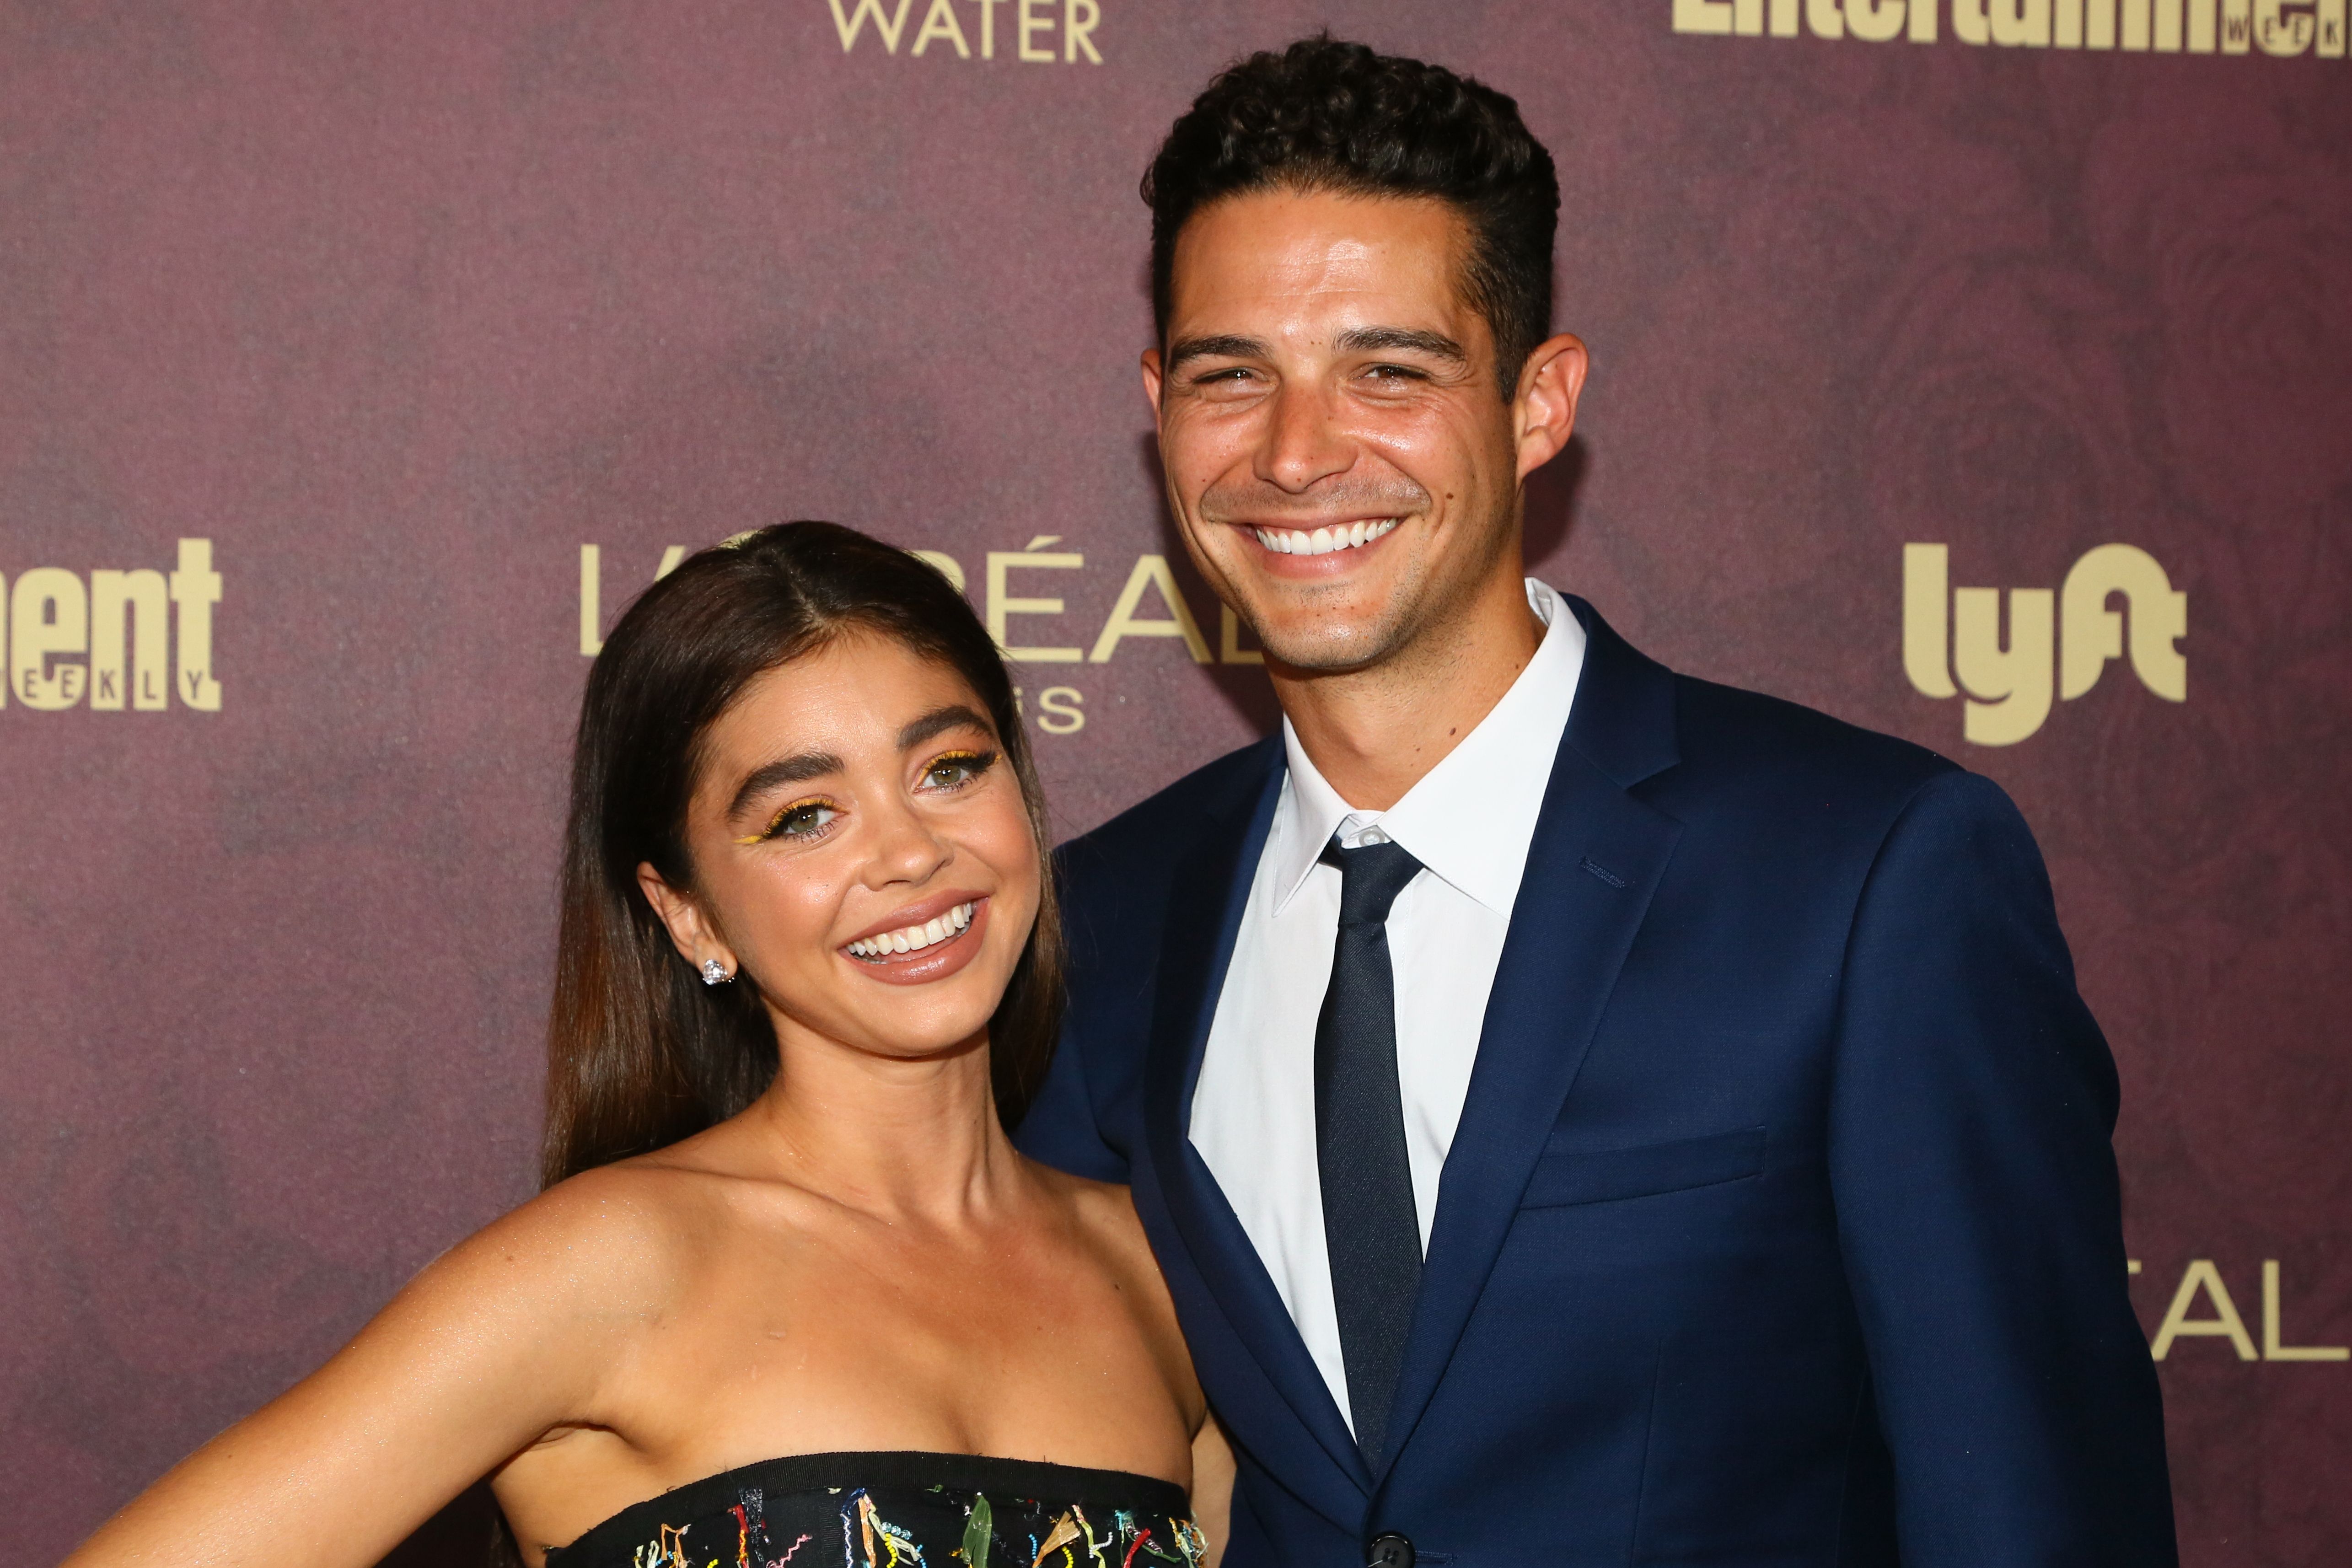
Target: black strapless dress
900 1511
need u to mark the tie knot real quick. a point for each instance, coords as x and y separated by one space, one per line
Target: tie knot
1369 879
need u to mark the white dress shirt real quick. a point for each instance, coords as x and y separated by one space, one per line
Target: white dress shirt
1468 821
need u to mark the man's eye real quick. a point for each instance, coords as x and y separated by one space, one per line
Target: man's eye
957 769
1393 373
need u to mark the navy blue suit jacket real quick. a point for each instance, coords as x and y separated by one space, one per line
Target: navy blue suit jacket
1782 1226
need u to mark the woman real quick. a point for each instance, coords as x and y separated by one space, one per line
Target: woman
790 1295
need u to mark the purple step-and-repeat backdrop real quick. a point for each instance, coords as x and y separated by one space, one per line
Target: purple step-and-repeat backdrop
1973 369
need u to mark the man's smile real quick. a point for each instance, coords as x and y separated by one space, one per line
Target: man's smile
1324 540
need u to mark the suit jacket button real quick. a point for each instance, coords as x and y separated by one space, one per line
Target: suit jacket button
1389 1551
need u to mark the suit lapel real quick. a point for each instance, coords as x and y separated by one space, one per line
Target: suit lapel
1206 905
1597 856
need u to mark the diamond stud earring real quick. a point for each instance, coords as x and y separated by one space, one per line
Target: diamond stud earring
715 972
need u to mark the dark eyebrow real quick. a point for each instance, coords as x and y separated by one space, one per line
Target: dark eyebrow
784 771
806 765
1406 340
938 721
1225 346
1357 340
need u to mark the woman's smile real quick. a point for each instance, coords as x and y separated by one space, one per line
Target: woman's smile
927 941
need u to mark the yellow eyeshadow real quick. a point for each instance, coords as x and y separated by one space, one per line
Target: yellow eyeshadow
776 822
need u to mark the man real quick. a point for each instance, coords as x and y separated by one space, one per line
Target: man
1586 1115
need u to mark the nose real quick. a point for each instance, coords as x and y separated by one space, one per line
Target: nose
1303 442
906 848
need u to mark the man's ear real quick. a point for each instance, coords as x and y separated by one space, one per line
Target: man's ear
1544 412
693 935
1151 380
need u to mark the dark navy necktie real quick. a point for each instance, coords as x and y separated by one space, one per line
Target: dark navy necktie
1370 1223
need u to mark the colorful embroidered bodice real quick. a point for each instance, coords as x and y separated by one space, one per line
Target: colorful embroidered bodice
900 1511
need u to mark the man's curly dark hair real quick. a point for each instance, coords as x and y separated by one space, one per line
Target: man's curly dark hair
1327 115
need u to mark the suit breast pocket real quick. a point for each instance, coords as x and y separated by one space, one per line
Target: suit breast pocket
1565 1176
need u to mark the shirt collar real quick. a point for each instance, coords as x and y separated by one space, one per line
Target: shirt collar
1470 819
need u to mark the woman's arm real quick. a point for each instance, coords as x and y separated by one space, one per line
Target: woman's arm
505 1337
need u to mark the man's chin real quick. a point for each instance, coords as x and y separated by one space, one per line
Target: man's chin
1347 612
1327 648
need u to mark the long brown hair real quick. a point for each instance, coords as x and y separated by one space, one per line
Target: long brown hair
640 1052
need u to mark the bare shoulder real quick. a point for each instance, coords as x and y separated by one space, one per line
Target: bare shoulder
614 1242
1109 1229
1104 1213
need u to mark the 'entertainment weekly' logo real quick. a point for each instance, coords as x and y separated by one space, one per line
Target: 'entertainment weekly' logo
103 640
1952 638
2279 27
1035 32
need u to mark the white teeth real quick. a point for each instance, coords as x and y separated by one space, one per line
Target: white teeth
1323 541
914 939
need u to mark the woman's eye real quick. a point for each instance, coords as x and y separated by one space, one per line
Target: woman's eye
957 769
805 820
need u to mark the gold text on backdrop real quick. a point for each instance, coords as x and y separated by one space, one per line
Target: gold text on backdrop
103 640
1001 604
1059 710
1031 28
1951 633
2203 1279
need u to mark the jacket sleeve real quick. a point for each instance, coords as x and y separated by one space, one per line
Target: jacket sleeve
1978 1210
1062 1127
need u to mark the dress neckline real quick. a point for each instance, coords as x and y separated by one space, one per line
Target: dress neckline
847 1470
